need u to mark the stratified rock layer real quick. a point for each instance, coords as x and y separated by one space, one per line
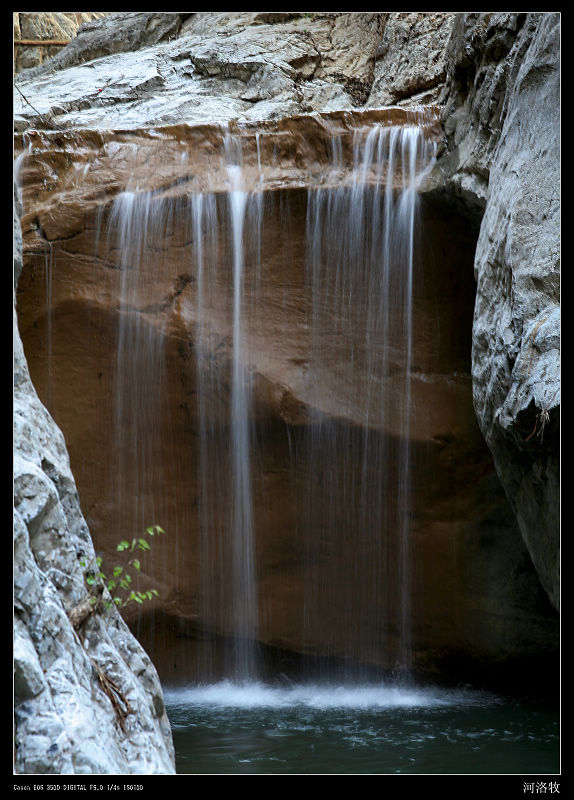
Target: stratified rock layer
138 69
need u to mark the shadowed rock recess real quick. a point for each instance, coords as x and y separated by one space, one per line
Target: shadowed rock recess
208 320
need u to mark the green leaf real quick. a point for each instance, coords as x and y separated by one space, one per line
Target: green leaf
123 585
153 529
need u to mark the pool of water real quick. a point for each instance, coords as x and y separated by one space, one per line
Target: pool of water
252 728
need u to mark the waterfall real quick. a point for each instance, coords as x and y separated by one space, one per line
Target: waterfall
226 231
361 262
242 525
349 461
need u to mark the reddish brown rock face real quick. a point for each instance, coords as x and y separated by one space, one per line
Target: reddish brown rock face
130 325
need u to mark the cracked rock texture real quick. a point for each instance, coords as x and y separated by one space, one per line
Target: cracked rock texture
204 67
411 62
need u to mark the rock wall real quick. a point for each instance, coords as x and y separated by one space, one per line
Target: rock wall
502 161
410 66
72 315
87 699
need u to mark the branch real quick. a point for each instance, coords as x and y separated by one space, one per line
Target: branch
42 42
111 689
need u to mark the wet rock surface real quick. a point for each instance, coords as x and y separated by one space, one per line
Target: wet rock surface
451 465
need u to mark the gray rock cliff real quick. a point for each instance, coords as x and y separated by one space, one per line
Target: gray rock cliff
502 161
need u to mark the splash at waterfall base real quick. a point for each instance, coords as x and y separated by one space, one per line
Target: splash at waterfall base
259 338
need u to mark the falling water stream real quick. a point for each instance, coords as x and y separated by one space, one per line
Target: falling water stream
361 260
139 357
241 523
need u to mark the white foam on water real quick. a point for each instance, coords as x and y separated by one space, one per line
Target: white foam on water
320 696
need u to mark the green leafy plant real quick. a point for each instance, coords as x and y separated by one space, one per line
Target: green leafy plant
120 584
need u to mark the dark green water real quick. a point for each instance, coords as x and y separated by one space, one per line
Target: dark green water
254 729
